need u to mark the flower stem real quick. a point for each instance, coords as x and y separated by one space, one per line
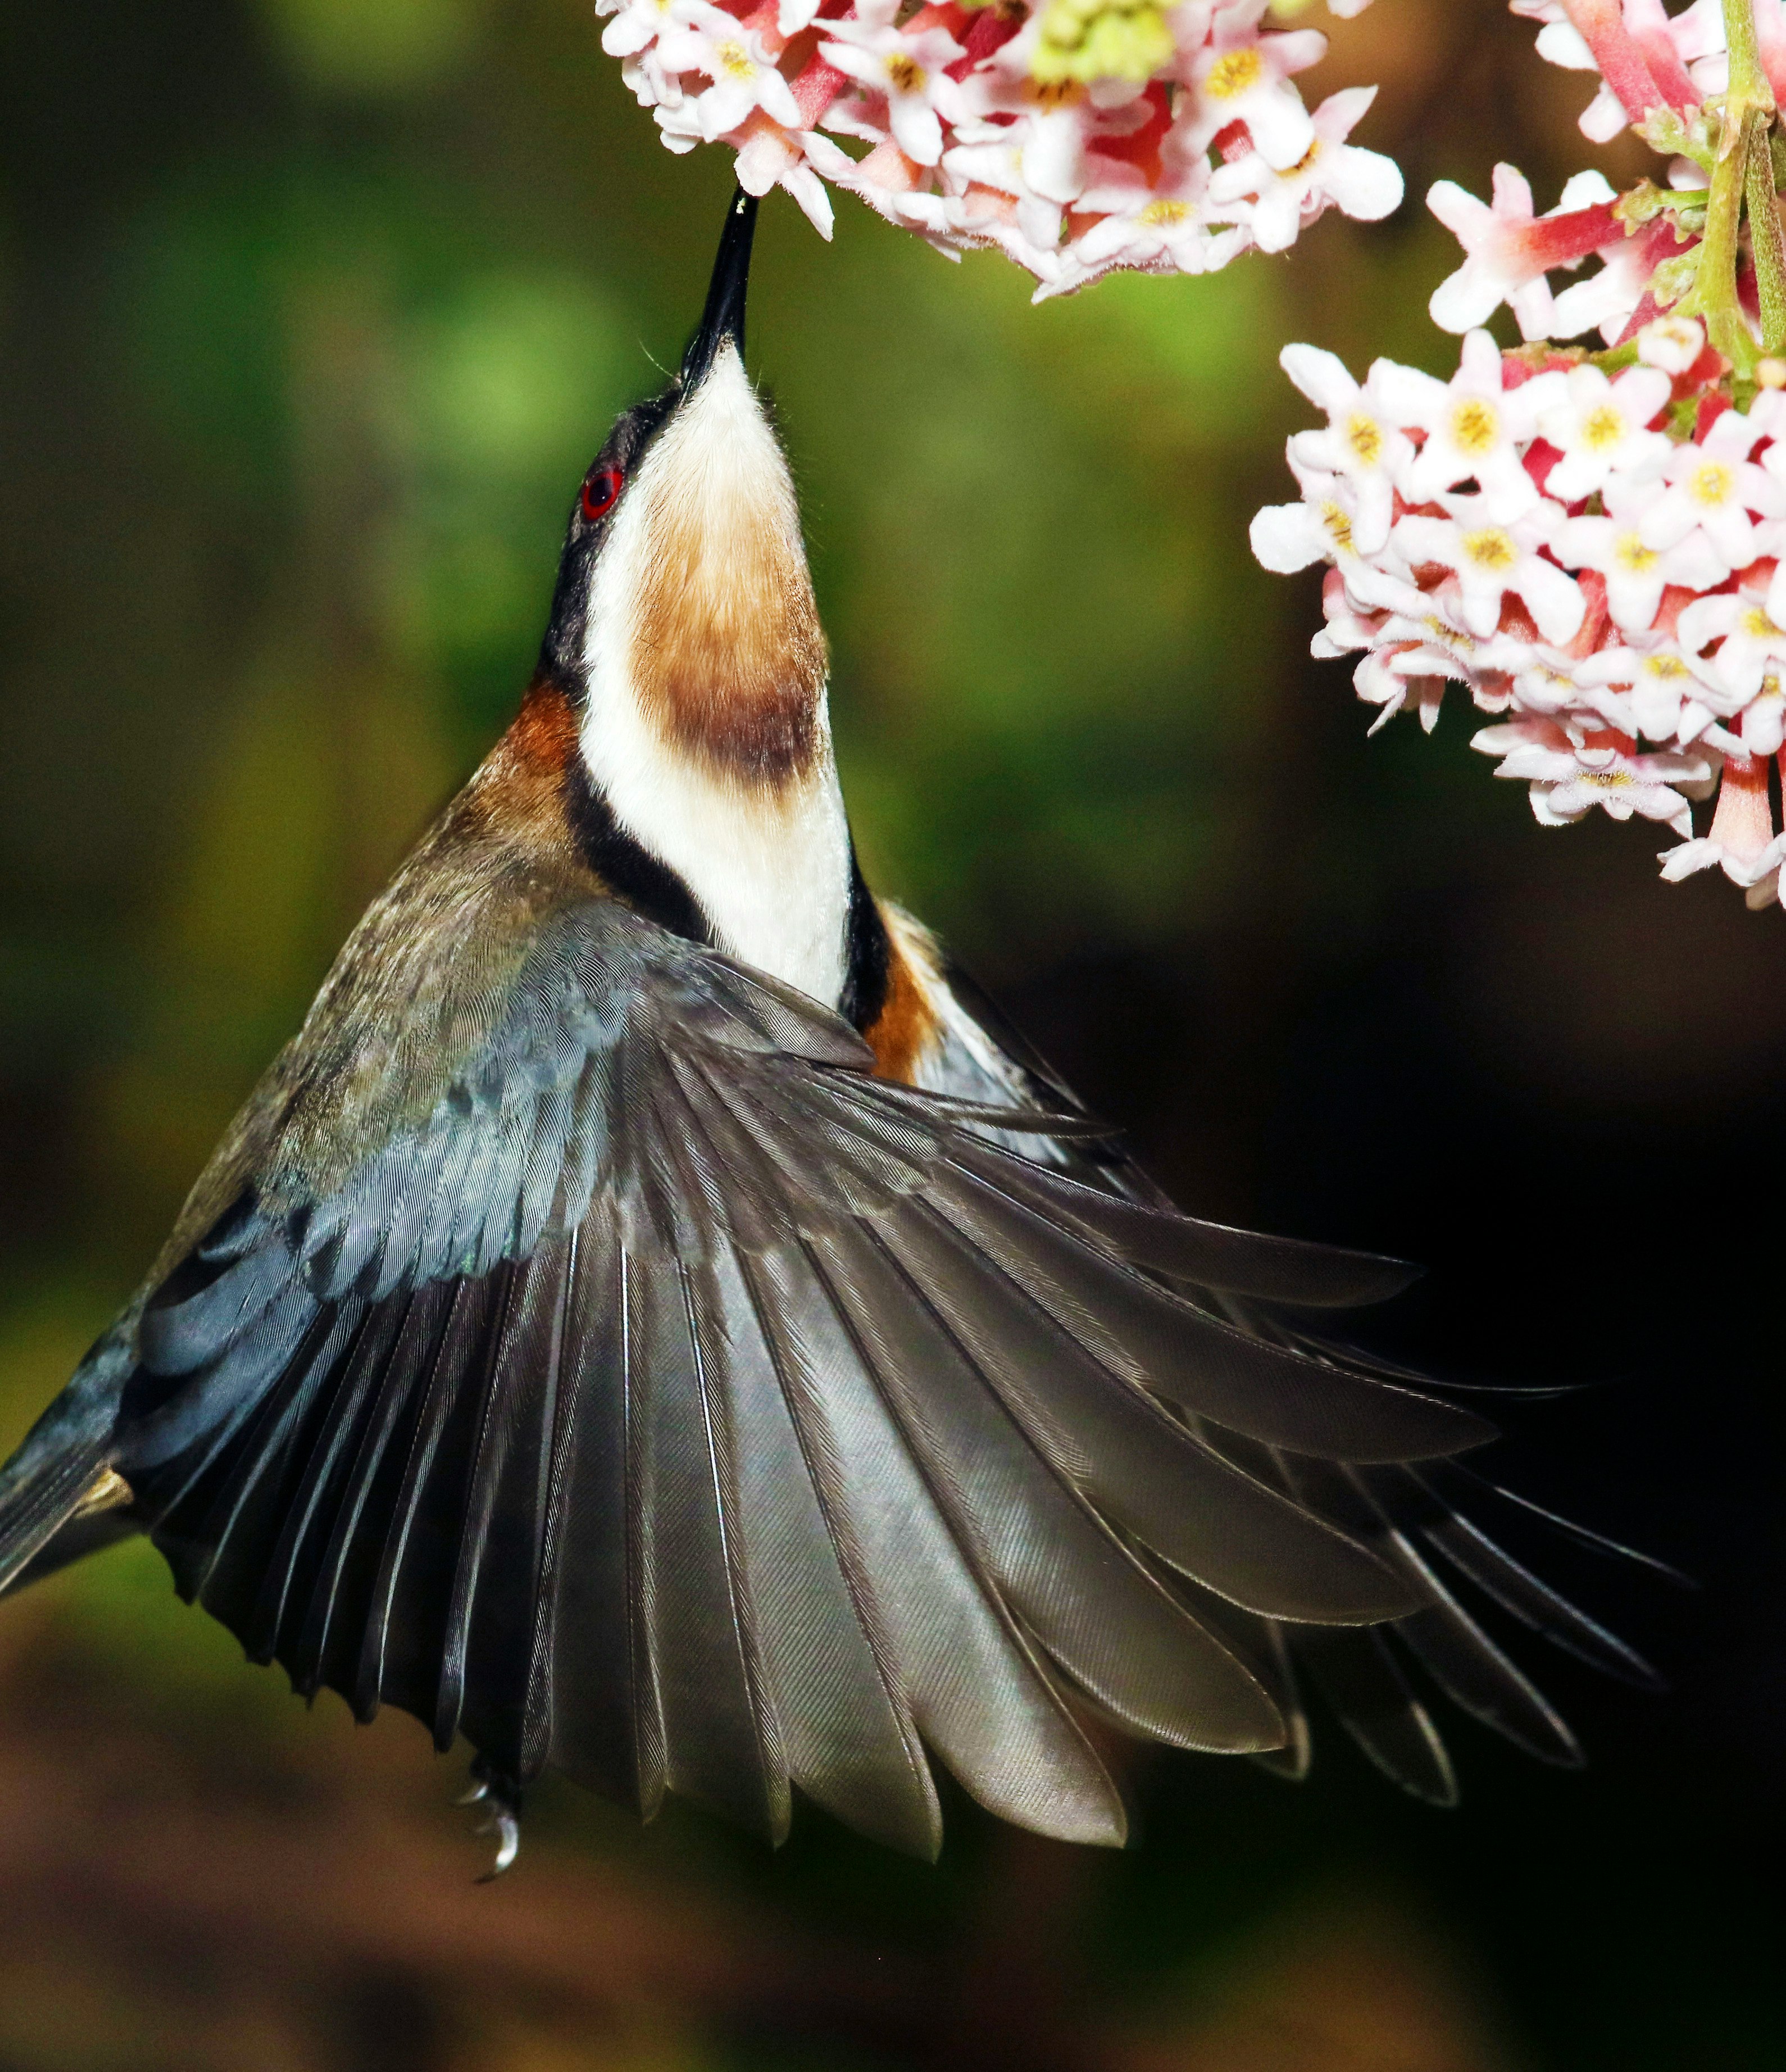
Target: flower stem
1747 118
1765 245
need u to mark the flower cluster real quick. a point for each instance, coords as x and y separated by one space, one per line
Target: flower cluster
1599 557
1592 542
1077 136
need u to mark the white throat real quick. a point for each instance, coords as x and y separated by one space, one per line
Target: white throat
769 865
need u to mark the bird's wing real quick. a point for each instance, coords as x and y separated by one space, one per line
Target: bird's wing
668 1400
1425 1520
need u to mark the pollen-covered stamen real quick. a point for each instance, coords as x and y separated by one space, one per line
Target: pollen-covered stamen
1491 548
1235 73
1475 426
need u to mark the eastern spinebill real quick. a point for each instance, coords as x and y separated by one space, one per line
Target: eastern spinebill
654 1320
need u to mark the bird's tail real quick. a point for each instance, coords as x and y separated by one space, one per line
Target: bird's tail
57 1491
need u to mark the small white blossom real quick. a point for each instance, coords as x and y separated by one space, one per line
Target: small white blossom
1491 558
1361 441
707 40
1599 428
1713 486
1241 77
1507 250
1473 427
1568 779
1635 574
1363 184
1748 639
1672 344
908 66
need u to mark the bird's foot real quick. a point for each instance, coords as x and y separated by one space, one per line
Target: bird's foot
500 1796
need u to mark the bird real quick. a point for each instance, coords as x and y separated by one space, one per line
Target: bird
656 1321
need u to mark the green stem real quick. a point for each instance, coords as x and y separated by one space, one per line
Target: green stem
1747 118
1765 245
1749 89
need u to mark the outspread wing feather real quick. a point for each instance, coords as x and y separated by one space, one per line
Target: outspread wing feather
650 1393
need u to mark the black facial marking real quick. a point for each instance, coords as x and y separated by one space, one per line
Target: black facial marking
869 954
561 652
648 886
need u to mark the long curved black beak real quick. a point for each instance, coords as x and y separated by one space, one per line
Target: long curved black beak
723 317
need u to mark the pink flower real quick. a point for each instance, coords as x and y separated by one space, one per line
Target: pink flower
1507 250
1742 841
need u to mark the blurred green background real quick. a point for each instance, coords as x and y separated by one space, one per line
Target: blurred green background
311 314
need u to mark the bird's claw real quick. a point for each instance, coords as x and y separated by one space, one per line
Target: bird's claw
502 1797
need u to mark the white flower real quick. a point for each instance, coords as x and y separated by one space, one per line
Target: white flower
1241 77
1394 678
1635 574
1492 557
1672 344
1568 780
1473 427
907 66
1741 841
1361 441
1599 426
1750 639
1363 184
707 40
640 22
1507 250
1157 225
1288 537
1764 723
1714 485
1670 696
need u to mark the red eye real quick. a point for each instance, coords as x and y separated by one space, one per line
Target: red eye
601 492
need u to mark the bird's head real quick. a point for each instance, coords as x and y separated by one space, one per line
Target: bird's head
683 625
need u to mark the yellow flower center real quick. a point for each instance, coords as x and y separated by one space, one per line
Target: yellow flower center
1339 526
1603 427
735 59
906 74
1665 668
1448 636
1631 555
1233 74
1757 626
1489 548
1475 426
1606 780
1160 215
1711 484
1303 163
1365 436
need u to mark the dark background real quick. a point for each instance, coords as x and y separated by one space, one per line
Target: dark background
311 313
